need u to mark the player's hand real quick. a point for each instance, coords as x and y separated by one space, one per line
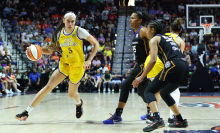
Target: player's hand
136 82
87 64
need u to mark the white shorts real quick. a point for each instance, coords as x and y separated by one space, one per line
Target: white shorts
116 82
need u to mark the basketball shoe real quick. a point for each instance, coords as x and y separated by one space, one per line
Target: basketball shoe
179 124
79 110
171 120
23 116
113 119
155 125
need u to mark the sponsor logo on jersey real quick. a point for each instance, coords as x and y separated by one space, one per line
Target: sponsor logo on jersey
73 34
167 64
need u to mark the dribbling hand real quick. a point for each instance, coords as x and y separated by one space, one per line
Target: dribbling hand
87 64
136 82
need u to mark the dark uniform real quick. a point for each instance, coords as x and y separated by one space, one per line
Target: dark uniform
141 50
175 68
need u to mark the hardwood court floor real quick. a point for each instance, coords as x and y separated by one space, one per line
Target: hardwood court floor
56 114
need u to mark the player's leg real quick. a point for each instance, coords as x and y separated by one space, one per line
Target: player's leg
176 96
52 83
125 87
73 93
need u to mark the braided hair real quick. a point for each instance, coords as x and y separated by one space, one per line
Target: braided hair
177 25
146 18
157 25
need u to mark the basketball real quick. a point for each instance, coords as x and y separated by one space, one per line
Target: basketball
34 52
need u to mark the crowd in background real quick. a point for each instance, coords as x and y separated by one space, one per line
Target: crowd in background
34 22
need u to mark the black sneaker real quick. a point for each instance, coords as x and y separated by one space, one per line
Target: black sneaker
149 119
179 124
79 110
23 116
155 125
170 121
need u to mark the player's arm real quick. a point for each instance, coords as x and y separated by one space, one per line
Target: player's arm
182 45
50 48
95 43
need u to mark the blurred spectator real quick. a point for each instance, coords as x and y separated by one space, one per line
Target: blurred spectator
215 59
41 61
48 38
101 37
96 63
89 83
107 77
12 81
34 80
45 25
23 13
107 54
103 68
181 7
166 16
116 79
214 69
112 16
55 57
82 22
7 11
124 76
159 11
194 49
193 33
98 77
152 11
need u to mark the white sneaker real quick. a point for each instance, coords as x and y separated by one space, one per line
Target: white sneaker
7 91
113 90
17 91
104 90
96 85
26 89
109 90
98 90
11 91
0 93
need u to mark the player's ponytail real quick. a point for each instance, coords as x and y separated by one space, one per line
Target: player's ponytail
157 25
55 34
146 18
176 25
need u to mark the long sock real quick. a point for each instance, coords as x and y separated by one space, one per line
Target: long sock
156 115
176 96
148 109
119 111
79 103
179 117
29 109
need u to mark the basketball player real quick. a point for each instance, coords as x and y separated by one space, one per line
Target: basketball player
141 50
175 68
175 28
72 63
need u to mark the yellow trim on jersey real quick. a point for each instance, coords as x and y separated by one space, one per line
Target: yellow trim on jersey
156 69
173 36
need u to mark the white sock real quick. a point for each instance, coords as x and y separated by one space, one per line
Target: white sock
78 103
29 109
176 96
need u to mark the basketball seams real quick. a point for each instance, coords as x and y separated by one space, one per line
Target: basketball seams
34 52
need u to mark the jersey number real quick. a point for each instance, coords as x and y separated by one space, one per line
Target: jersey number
70 51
